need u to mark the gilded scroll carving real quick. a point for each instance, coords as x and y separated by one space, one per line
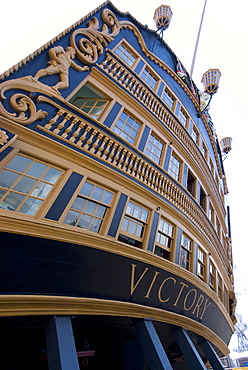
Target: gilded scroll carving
23 105
92 43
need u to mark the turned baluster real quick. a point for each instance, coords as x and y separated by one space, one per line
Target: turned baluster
83 136
122 157
111 156
54 119
96 142
62 124
69 128
107 149
117 155
76 132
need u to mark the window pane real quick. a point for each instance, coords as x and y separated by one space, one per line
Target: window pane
95 225
71 218
107 197
25 184
36 170
79 203
124 225
41 190
7 178
19 163
86 189
51 175
31 206
90 207
14 200
84 221
139 231
100 211
97 193
131 227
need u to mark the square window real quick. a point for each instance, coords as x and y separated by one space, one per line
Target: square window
126 127
182 117
133 225
25 183
89 208
149 78
185 252
168 98
164 239
174 167
154 149
125 54
90 100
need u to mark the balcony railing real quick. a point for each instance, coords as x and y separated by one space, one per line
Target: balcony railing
89 139
132 84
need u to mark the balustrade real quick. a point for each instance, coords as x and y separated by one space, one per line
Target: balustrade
127 79
93 140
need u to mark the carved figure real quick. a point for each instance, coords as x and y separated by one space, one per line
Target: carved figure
60 62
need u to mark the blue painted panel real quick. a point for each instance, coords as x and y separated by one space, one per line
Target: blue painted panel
139 67
167 158
153 231
112 115
144 138
117 216
65 195
178 245
5 152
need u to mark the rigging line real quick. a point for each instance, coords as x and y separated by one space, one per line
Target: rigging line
197 40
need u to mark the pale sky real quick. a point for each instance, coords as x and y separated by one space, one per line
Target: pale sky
26 25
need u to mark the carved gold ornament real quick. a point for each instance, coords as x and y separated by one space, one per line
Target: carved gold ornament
91 45
3 137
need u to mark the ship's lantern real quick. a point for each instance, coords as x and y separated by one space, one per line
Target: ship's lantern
211 80
162 17
226 144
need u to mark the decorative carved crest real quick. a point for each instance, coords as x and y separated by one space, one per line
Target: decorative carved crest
86 43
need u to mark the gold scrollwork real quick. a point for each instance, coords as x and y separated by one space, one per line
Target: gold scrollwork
23 105
91 45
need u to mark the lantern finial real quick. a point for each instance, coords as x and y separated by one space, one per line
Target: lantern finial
162 17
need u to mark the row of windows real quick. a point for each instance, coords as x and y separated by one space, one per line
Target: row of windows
124 50
25 183
93 102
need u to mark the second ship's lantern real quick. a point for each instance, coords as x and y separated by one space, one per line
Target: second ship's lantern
226 144
211 80
162 17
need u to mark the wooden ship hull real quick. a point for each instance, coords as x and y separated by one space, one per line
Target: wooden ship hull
115 248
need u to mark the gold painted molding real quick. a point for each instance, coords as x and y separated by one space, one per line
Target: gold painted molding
24 305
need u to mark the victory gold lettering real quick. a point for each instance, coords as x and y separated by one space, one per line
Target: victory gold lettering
161 287
134 286
186 298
